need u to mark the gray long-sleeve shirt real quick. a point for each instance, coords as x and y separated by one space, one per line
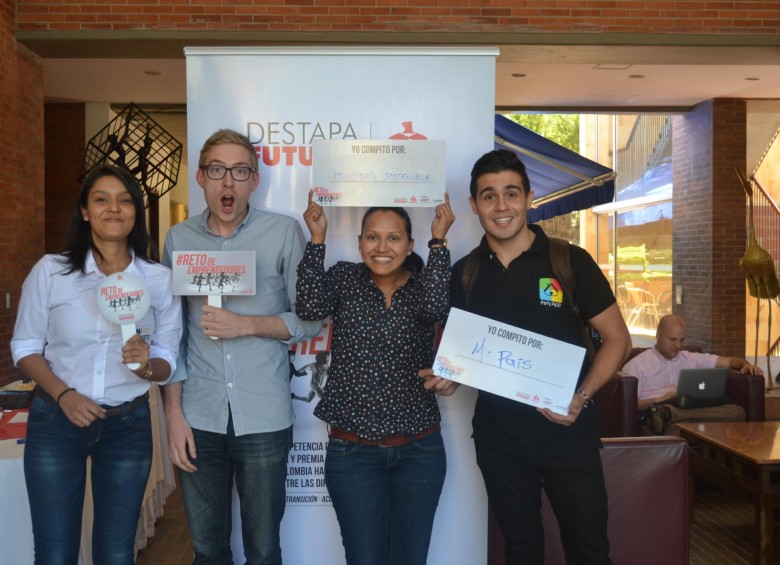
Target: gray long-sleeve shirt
245 376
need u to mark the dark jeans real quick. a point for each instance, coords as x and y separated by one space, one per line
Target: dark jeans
55 470
574 483
259 464
385 498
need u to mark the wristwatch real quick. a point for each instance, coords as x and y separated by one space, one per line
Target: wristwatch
435 242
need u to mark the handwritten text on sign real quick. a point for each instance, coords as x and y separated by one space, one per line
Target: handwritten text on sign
508 361
379 172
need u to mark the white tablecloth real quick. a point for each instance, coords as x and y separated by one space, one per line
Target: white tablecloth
16 539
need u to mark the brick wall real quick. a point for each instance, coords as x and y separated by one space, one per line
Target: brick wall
745 17
21 175
709 224
64 127
729 226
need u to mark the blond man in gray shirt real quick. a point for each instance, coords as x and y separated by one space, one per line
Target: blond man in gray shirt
228 404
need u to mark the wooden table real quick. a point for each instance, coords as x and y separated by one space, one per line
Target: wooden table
743 457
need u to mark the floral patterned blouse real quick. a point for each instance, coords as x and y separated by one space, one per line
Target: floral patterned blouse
373 389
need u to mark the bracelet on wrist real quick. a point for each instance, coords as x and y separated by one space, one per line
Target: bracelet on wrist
63 393
588 399
148 372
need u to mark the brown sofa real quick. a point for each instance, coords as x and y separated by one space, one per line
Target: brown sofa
647 486
618 406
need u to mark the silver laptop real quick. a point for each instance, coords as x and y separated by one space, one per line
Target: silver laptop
702 384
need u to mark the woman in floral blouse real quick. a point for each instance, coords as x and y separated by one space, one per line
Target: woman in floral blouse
385 463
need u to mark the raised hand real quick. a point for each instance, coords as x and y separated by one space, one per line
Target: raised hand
443 219
315 219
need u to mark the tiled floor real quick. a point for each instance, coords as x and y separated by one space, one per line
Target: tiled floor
721 533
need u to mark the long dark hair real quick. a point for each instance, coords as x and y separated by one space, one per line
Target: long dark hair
79 236
413 262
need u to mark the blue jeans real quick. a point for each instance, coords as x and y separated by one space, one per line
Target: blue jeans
259 463
574 483
55 470
385 498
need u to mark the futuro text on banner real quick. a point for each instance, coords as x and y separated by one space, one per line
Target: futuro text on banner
409 173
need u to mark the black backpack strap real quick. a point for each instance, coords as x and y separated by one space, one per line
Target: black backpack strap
469 277
560 262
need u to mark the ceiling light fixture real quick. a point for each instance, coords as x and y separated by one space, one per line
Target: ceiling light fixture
611 67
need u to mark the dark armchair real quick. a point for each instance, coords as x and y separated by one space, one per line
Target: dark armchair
617 403
647 487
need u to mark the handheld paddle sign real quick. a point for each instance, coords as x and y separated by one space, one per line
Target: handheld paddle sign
124 299
213 274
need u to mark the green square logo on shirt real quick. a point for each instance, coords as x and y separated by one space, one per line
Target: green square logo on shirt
550 291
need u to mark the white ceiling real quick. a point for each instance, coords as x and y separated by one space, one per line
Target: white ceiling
563 77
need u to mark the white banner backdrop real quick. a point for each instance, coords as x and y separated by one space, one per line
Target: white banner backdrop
286 98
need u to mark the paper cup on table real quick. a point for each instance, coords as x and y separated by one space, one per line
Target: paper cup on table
213 274
124 299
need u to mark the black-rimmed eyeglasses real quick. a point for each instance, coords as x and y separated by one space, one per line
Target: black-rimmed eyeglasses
218 172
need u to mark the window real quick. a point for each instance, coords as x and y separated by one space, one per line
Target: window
633 241
630 238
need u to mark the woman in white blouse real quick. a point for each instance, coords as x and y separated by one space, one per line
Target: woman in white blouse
88 403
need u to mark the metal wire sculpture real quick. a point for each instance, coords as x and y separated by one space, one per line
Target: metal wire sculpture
135 142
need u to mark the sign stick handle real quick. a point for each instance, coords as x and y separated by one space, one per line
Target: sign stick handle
215 300
128 331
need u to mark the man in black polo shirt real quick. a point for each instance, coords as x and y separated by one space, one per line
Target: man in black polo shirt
522 449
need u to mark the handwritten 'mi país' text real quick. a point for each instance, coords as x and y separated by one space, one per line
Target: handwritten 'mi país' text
502 358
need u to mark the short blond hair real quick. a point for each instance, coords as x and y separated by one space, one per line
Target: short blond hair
227 136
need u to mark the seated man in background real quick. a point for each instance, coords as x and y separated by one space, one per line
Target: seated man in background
658 370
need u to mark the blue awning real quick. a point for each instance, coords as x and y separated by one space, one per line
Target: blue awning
563 181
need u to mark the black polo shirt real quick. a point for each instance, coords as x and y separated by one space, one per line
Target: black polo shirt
520 295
